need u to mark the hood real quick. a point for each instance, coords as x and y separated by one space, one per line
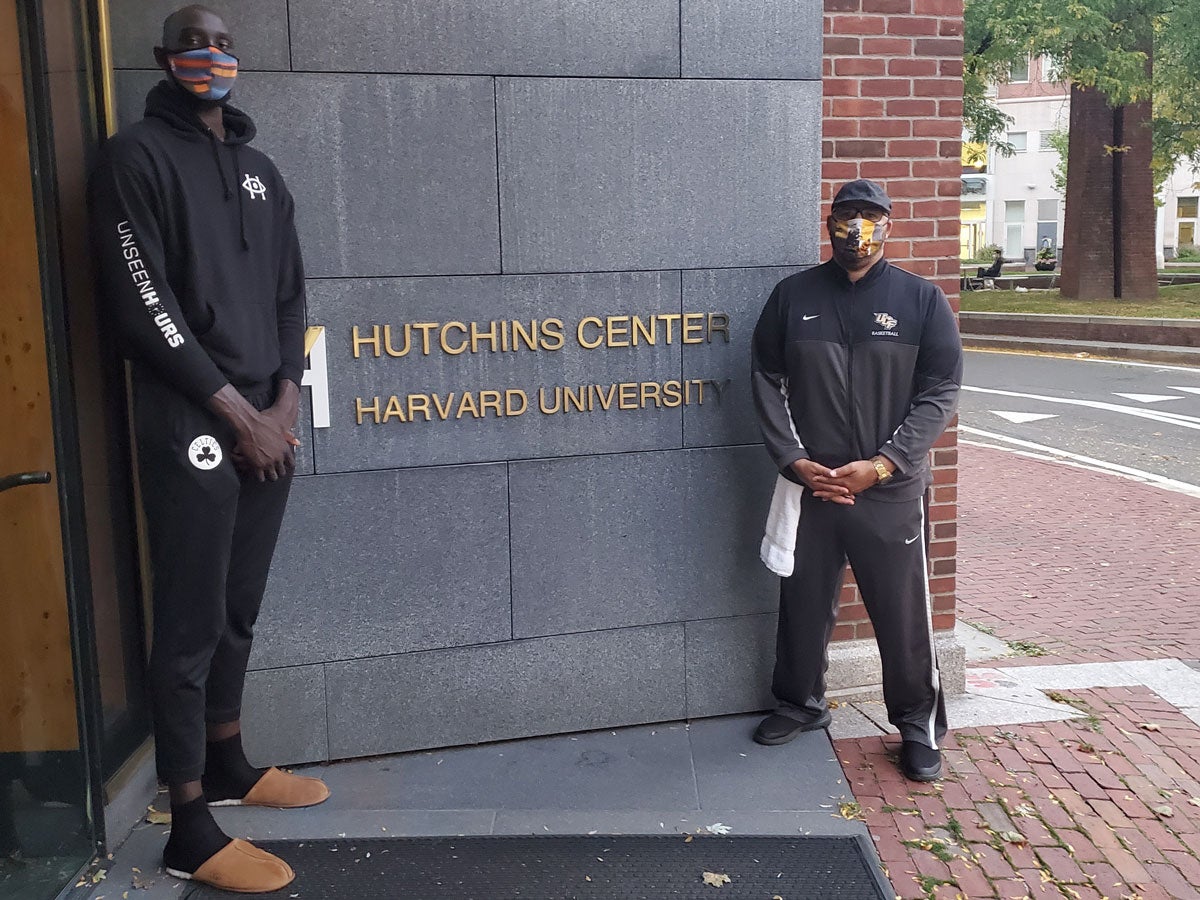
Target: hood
173 105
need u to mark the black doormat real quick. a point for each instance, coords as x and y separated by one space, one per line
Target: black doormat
628 867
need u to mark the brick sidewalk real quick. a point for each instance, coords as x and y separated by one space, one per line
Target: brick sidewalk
1097 807
1090 568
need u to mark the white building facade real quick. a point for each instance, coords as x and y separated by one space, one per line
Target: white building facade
1012 202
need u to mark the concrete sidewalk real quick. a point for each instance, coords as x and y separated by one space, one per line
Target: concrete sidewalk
1070 774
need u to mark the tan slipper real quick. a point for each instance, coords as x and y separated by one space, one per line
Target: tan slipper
242 868
280 790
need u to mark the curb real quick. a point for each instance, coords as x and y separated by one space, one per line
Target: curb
1177 356
1104 329
1174 341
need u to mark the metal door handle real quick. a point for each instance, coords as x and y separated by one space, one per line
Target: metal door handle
12 481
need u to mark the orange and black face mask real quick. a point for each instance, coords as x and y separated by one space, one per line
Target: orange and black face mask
858 237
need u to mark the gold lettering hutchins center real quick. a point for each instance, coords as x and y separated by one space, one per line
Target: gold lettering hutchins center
591 333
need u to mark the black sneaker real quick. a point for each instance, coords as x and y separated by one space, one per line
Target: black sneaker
920 763
777 729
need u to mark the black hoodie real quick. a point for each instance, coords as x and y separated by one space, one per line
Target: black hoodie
197 253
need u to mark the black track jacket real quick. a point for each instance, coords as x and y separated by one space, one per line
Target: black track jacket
197 253
842 371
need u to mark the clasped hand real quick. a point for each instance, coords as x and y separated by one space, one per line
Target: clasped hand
837 485
267 446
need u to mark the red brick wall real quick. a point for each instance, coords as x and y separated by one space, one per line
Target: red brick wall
893 113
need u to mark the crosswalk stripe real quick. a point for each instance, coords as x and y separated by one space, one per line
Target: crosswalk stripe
1020 418
1146 398
1167 418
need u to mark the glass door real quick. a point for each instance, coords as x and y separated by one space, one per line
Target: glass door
68 115
46 830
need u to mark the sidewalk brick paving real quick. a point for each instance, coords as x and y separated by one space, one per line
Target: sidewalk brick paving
1106 806
1090 568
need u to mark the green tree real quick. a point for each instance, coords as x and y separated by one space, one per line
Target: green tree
987 60
1058 141
1142 58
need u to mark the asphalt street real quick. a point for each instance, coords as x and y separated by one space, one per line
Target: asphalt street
1139 420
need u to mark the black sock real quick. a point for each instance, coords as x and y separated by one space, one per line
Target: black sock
195 837
228 775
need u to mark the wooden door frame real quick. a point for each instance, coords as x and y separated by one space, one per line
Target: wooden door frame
69 478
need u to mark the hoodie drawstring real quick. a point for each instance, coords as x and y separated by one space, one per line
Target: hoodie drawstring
241 209
225 184
212 142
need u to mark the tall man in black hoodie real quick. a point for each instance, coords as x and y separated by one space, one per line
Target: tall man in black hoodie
202 280
856 371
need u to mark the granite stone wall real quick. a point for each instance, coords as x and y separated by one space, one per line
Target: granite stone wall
458 169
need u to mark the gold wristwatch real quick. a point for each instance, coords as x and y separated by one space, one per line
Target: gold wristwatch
880 469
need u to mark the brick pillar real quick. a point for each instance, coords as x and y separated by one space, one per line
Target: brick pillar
893 113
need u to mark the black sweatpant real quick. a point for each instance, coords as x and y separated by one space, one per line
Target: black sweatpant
212 534
885 543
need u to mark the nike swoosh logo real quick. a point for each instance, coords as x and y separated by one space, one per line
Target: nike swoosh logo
911 539
806 318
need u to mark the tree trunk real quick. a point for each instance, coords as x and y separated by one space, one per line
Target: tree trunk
1109 233
1087 266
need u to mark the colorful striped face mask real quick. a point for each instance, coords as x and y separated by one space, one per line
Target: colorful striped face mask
206 72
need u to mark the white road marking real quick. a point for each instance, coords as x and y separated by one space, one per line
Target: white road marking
1065 457
1190 390
1020 418
1167 418
1146 398
1089 359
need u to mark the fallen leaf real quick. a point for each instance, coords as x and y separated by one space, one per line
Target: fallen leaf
99 875
1149 726
1165 811
714 879
718 828
850 810
1012 837
157 816
688 839
1195 801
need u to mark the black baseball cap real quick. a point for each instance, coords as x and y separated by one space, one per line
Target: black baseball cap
864 191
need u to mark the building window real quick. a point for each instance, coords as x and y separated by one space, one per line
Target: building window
1047 225
1019 141
1186 212
1014 228
1019 71
972 231
974 187
1046 140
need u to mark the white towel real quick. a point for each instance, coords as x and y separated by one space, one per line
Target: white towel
778 551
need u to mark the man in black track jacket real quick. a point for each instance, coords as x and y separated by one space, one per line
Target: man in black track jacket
202 279
856 371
